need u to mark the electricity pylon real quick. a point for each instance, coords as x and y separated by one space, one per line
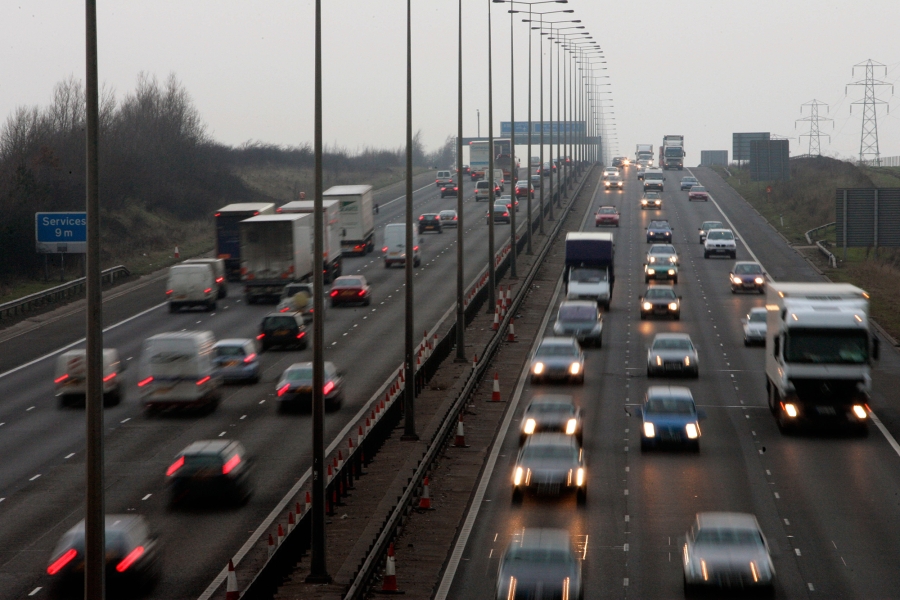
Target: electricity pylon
868 141
815 147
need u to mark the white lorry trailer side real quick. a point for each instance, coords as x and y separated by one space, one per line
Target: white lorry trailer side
357 217
331 215
819 352
275 250
228 232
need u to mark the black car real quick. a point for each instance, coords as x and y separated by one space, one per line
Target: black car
660 300
618 162
431 221
132 558
211 471
659 231
294 389
449 190
282 330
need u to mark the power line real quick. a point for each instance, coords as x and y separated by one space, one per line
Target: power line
868 141
814 135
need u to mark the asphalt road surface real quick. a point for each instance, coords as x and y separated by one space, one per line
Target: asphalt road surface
829 506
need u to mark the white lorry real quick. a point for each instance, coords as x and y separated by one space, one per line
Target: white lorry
644 152
819 353
228 232
590 273
275 250
357 217
331 215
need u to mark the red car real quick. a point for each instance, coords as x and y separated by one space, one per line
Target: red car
523 188
698 192
606 215
350 289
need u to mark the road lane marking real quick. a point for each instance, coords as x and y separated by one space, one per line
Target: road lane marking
146 497
35 591
35 477
70 455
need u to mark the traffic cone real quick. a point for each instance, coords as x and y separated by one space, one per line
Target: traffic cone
474 361
460 441
280 535
330 474
389 583
177 253
299 509
291 522
231 590
496 324
511 332
495 395
271 545
425 499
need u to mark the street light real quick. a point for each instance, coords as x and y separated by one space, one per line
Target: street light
460 255
561 89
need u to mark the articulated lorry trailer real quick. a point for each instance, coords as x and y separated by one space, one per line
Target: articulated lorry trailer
228 233
357 216
275 250
331 215
819 353
671 154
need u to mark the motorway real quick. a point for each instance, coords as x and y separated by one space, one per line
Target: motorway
829 506
42 476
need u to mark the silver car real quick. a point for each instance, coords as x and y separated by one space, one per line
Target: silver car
672 354
551 413
727 550
298 297
540 563
550 463
449 218
755 326
581 319
558 358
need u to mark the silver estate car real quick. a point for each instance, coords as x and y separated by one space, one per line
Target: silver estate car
755 326
558 358
672 354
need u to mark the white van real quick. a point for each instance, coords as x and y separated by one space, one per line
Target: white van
191 285
395 246
498 177
71 377
218 267
177 370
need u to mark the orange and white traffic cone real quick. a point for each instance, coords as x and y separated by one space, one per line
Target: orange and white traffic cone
474 361
389 583
460 441
177 253
291 522
280 535
496 324
271 545
495 395
231 589
425 499
511 332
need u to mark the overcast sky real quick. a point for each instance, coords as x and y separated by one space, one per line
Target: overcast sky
704 69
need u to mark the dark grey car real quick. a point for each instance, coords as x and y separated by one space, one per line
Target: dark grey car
550 463
580 319
540 564
672 354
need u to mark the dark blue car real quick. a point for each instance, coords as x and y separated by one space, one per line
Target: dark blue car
659 231
670 417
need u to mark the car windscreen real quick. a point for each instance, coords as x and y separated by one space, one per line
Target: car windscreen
659 225
280 323
826 346
748 269
720 235
351 282
586 275
670 406
300 374
660 294
711 225
230 350
560 452
538 556
757 317
202 461
577 313
551 408
609 210
556 350
662 250
698 188
672 344
728 536
650 175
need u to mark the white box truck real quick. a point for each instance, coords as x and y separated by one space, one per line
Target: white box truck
275 250
357 217
331 214
228 232
819 353
590 273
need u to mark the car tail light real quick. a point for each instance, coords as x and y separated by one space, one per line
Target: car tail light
260 336
455 218
328 388
204 380
62 561
61 378
207 290
231 464
129 560
249 358
218 215
301 334
415 248
285 309
384 249
506 214
361 293
284 389
144 382
169 292
422 217
175 466
220 279
109 377
334 293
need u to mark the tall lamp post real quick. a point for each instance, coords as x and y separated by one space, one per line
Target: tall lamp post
492 292
409 413
460 255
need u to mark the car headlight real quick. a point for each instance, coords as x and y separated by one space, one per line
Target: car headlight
791 410
538 368
687 361
673 259
517 477
673 306
758 281
703 570
574 368
692 430
643 203
570 426
652 259
646 306
649 430
736 280
658 360
671 271
529 426
754 571
579 477
859 411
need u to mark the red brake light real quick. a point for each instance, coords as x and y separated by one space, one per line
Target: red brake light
506 214
207 290
204 380
175 466
220 279
129 560
61 379
301 334
455 218
334 293
422 217
260 336
328 387
250 357
285 309
415 248
384 249
109 377
231 464
62 561
362 293
218 214
145 382
284 389
169 292
255 213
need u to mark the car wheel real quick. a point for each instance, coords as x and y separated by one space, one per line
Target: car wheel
696 374
644 445
387 265
701 240
367 302
173 308
762 290
706 255
746 342
649 372
677 316
600 342
416 262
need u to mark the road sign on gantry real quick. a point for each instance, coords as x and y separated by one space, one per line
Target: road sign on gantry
60 232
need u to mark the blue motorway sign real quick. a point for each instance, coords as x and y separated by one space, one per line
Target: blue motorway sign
61 232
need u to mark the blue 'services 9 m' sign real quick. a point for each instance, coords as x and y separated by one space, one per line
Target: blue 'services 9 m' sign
60 232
